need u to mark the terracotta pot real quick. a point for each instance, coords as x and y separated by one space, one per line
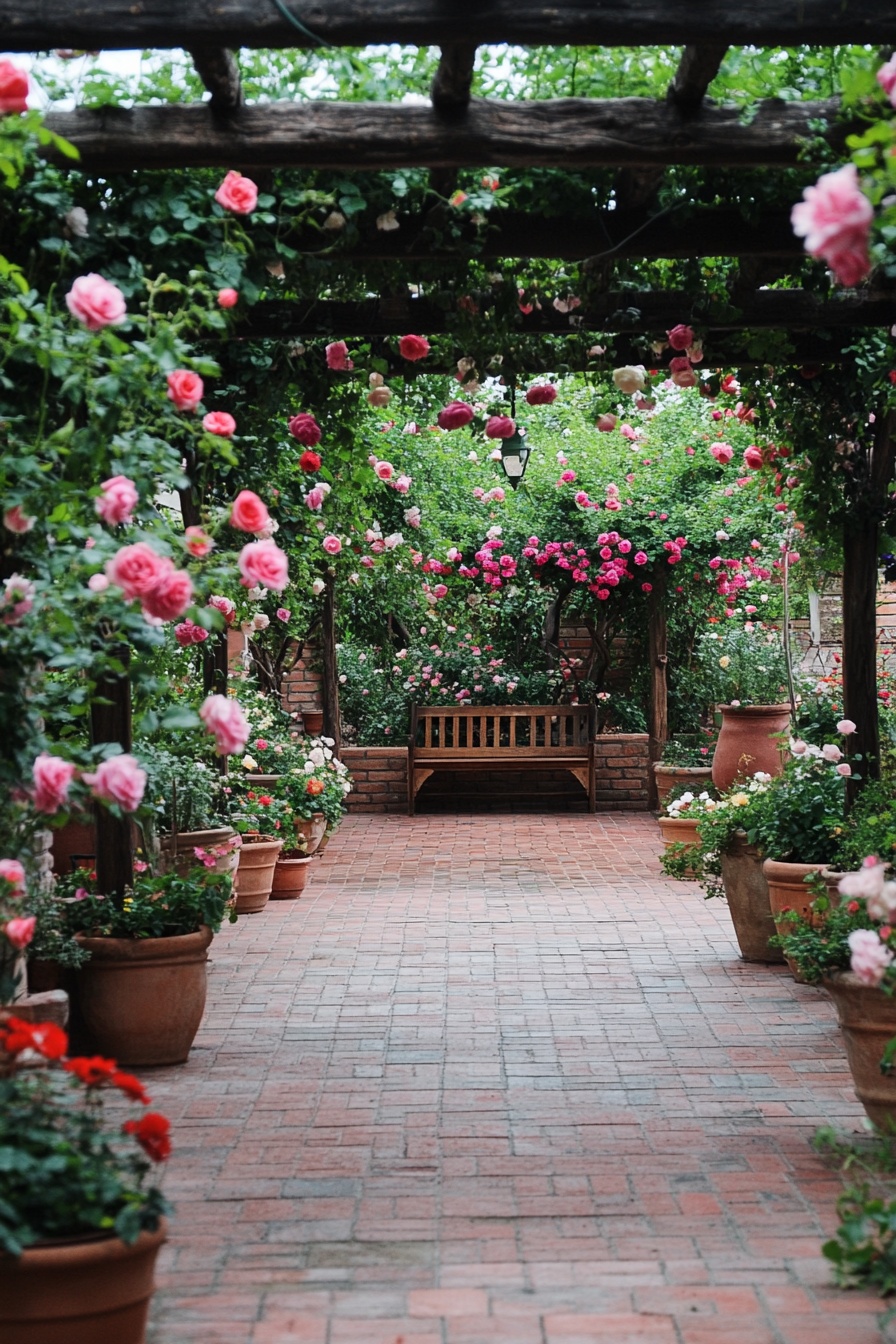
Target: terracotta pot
142 999
787 890
311 830
79 1292
290 876
747 742
313 721
262 781
178 852
669 777
868 1021
680 831
746 891
255 875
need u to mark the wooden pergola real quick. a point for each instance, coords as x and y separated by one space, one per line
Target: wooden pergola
638 138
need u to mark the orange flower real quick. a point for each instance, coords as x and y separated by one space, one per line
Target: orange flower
314 787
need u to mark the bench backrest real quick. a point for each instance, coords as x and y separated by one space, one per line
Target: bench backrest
543 730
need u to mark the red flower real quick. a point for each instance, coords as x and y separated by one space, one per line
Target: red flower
44 1037
131 1087
310 461
91 1071
305 428
413 347
153 1133
314 787
500 427
541 394
264 800
455 415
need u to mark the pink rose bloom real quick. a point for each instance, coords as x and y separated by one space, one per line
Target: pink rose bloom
606 423
315 497
402 484
96 302
752 458
567 477
685 377
225 606
118 780
337 356
188 633
185 389
248 513
117 502
137 569
582 499
263 564
722 452
237 194
226 722
413 347
198 542
680 337
13 88
628 432
498 494
500 427
869 958
227 298
455 415
541 394
846 726
886 78
867 883
830 752
11 871
834 218
19 932
844 769
98 583
220 423
332 545
440 590
14 520
640 558
283 614
52 777
384 470
170 597
305 429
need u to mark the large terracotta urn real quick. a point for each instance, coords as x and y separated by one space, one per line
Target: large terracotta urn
746 891
868 1021
748 742
79 1292
141 1000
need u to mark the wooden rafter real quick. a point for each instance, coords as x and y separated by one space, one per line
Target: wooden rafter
219 72
453 82
565 132
120 24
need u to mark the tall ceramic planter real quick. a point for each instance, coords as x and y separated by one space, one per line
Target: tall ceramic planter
179 851
290 877
255 875
80 1292
747 742
746 891
141 1000
868 1021
310 830
680 831
673 777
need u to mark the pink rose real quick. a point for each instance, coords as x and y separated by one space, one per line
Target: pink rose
11 871
753 457
541 394
834 218
220 423
262 563
198 542
332 545
19 932
283 614
567 477
52 777
14 520
640 558
227 298
248 513
402 484
337 356
413 347
96 302
315 497
225 606
305 429
869 958
118 780
226 722
13 88
136 569
846 726
500 427
117 502
722 452
384 470
170 597
844 769
606 423
188 633
680 337
455 415
886 78
238 194
185 389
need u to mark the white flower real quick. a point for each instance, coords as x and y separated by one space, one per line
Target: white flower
762 777
316 756
472 455
387 222
495 455
494 532
256 594
317 587
394 539
869 958
630 378
883 905
309 767
260 621
797 747
76 221
249 763
721 536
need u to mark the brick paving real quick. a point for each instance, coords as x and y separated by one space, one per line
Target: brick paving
493 1080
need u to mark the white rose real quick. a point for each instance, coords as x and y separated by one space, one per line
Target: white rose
317 587
630 378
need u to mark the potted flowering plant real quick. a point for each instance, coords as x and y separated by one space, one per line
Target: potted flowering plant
265 822
747 672
679 824
188 808
686 763
80 1220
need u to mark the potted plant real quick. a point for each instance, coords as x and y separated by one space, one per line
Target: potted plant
686 763
141 993
679 826
187 802
265 823
81 1221
747 672
315 784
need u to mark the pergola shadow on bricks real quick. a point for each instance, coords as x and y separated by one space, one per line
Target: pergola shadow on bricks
638 137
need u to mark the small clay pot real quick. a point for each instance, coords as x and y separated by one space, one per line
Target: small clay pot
313 721
290 877
255 875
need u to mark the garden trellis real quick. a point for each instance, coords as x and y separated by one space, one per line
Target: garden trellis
635 137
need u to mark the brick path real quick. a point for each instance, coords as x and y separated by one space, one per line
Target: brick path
493 1081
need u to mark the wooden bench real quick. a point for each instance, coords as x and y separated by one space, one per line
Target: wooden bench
501 737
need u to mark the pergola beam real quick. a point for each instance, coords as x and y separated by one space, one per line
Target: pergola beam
219 72
555 133
453 82
121 24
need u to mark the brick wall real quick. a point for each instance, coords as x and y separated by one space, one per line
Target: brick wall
301 688
380 783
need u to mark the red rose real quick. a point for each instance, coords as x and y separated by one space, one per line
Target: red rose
310 461
305 428
680 337
91 1071
413 347
13 88
753 457
500 427
131 1087
541 394
153 1133
455 415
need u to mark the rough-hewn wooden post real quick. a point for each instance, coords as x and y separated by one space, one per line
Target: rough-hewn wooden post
110 721
329 688
658 709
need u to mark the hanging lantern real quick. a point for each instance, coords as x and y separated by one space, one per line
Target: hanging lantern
514 456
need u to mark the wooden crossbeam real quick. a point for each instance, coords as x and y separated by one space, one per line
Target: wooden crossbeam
567 132
219 72
121 24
